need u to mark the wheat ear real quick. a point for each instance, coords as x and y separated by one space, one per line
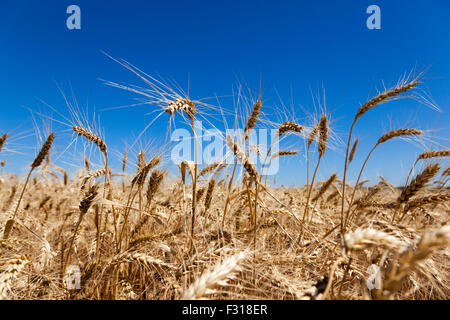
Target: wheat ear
219 276
289 126
418 182
325 186
311 137
153 184
181 104
411 205
2 140
208 169
352 152
251 122
241 157
209 194
88 134
362 238
140 258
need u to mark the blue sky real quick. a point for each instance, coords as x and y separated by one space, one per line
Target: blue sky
289 48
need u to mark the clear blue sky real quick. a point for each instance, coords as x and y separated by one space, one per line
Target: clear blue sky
292 47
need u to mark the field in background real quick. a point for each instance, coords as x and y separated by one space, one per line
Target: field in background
209 234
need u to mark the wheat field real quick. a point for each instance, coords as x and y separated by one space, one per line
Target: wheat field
208 232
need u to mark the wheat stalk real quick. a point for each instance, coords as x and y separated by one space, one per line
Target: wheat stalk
384 138
382 97
248 166
84 206
323 136
45 149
